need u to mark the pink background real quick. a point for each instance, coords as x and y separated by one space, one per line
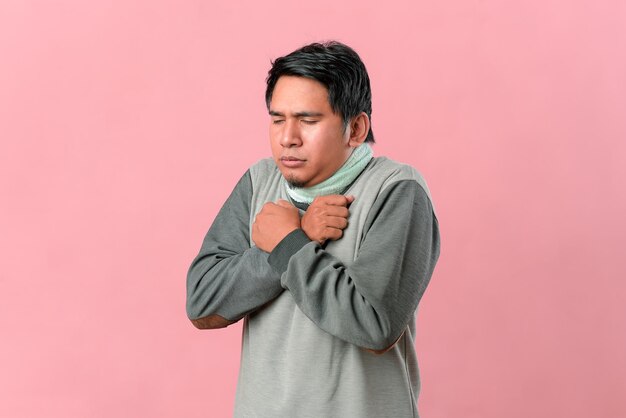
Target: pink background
125 124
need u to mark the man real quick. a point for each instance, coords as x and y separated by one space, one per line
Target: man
324 251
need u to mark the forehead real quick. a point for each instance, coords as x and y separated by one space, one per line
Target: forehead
293 93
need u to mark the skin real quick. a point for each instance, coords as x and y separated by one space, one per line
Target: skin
309 143
304 127
326 218
274 222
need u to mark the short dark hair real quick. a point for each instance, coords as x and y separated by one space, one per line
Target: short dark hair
338 67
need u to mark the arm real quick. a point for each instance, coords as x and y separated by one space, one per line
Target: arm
369 303
228 278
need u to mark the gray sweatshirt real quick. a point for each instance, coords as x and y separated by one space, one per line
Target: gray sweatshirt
312 312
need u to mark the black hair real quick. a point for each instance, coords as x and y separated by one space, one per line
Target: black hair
338 67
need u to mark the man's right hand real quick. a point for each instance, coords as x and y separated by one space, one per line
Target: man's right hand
326 217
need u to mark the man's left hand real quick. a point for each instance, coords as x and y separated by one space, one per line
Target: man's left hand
273 223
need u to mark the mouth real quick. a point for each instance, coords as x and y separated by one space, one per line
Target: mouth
292 162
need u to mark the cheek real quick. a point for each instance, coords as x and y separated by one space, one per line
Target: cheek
274 144
275 152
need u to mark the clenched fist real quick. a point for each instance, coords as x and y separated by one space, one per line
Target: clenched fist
326 217
273 223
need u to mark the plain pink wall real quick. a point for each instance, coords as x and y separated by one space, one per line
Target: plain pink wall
125 124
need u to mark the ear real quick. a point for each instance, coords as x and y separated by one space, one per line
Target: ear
359 128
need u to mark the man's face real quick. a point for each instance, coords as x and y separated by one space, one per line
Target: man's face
308 140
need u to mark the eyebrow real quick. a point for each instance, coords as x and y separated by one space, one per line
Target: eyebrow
298 114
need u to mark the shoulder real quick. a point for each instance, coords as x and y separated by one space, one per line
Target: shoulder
263 167
265 178
392 172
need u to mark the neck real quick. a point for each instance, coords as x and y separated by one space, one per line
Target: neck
338 182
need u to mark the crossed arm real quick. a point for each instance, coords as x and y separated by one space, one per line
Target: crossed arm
228 278
368 303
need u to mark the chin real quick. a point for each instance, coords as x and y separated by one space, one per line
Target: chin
294 181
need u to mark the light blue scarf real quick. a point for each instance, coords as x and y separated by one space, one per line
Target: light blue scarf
336 183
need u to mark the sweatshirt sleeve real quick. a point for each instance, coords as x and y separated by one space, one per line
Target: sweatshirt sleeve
229 278
370 302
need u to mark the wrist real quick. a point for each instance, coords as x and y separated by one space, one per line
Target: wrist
288 246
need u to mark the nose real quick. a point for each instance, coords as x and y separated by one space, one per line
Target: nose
291 134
